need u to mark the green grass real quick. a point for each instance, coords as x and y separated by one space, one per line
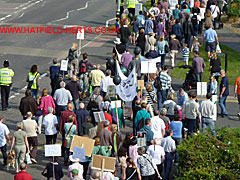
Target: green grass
233 70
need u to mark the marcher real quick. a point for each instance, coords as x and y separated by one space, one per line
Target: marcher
73 54
6 76
170 105
188 30
174 46
4 139
54 75
182 97
75 169
149 133
215 66
33 81
157 126
48 171
125 34
30 126
131 171
237 92
86 126
142 114
23 173
215 12
105 135
106 82
161 49
96 77
212 86
198 66
81 114
223 93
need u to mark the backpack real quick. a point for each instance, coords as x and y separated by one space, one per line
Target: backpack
194 20
140 124
157 83
71 54
83 67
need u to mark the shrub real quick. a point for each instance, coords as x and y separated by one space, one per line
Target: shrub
233 8
207 157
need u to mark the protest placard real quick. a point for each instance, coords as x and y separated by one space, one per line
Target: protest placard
138 8
99 116
80 34
111 91
140 84
141 139
52 150
109 164
64 65
79 152
113 104
83 142
201 88
148 67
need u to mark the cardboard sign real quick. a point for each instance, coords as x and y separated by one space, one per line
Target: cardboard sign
80 34
113 104
138 7
109 164
148 67
201 88
99 116
53 150
141 139
140 84
83 142
79 152
111 91
64 65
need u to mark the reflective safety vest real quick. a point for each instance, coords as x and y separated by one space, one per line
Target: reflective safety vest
131 3
6 76
31 77
121 2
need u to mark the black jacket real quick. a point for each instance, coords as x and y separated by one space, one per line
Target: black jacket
187 28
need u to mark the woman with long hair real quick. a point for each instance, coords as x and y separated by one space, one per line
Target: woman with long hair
161 49
208 19
215 66
141 40
132 172
33 80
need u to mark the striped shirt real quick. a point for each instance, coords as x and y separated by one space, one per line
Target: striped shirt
150 97
185 52
165 80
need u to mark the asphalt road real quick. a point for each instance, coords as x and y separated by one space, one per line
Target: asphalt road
24 50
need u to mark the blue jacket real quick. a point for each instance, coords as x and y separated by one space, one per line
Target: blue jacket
177 29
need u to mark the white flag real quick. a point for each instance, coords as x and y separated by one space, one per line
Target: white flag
127 89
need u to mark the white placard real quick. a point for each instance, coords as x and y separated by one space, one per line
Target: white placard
113 104
214 100
148 67
79 152
201 88
80 34
64 65
53 150
204 88
97 115
138 7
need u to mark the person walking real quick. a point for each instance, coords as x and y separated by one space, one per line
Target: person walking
188 30
54 74
207 110
81 114
105 82
237 92
6 76
31 127
96 77
141 114
224 92
50 124
20 144
48 171
73 54
4 139
215 66
174 46
198 66
125 34
33 80
161 49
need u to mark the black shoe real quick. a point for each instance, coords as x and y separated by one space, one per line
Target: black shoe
4 109
223 116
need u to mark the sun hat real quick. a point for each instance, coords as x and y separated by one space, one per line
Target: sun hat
117 41
73 159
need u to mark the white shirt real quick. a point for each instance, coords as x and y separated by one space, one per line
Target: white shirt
156 152
168 144
105 82
214 10
202 12
3 132
49 121
157 125
154 11
62 96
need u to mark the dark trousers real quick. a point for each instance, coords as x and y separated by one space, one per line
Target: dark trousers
188 40
5 91
93 87
131 10
4 153
190 123
177 142
51 139
33 141
215 23
163 57
152 177
160 170
200 28
161 97
168 165
85 168
59 110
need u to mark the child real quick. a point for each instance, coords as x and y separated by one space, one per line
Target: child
195 46
185 52
117 25
135 30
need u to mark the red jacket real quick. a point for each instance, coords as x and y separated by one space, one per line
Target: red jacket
64 119
22 175
109 118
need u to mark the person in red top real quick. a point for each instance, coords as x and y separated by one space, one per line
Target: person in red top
22 175
107 117
237 92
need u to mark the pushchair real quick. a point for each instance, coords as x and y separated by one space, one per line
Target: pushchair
190 80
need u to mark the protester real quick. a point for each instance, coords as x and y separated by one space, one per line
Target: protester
101 150
176 12
31 127
125 34
6 76
106 135
96 77
141 41
149 93
223 93
81 114
188 30
73 54
149 25
198 66
48 171
50 124
215 66
141 114
150 42
178 31
170 105
212 86
106 82
215 12
86 126
4 139
23 173
76 169
201 14
121 117
182 97
131 171
20 144
237 92
157 126
174 46
46 102
161 49
54 74
147 129
33 80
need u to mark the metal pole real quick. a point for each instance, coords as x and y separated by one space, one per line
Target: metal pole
118 9
226 61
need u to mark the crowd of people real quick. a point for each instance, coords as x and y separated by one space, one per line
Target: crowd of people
167 28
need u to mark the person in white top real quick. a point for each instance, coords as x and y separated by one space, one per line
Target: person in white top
157 153
154 11
157 126
215 12
75 165
31 127
50 124
105 82
4 139
202 16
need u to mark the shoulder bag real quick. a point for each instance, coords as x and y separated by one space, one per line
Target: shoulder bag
67 139
30 83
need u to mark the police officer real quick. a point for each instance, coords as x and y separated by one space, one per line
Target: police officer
6 75
131 7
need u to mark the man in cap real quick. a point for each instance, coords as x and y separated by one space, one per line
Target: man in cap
6 75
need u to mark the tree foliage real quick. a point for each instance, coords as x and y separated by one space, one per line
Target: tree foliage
233 8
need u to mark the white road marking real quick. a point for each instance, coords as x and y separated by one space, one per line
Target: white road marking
21 15
43 75
107 22
43 4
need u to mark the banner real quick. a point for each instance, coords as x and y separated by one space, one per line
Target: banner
127 89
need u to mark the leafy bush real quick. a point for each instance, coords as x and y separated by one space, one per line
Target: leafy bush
207 157
233 9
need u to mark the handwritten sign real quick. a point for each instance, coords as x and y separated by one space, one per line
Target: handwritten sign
113 104
148 67
140 84
64 65
111 91
79 152
83 142
52 150
80 34
109 164
99 116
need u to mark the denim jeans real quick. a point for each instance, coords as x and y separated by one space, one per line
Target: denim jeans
34 93
163 57
59 110
4 153
188 40
195 29
83 81
199 77
177 142
75 104
161 97
190 123
168 165
222 104
208 122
